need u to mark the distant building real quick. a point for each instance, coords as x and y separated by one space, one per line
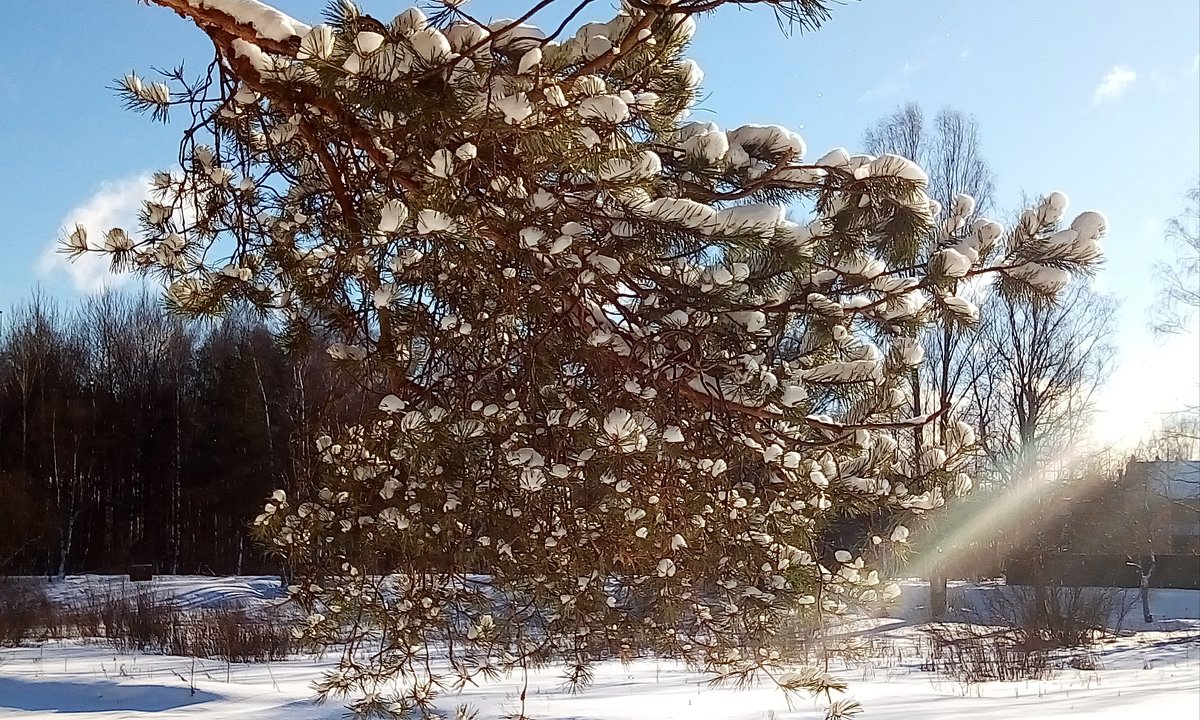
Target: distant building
1152 506
1171 493
1088 530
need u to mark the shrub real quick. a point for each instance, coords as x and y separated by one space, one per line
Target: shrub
1056 616
231 634
972 654
129 620
140 621
1024 628
23 610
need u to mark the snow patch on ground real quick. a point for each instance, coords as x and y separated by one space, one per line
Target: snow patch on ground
190 592
1152 673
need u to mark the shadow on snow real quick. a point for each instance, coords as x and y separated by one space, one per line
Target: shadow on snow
102 696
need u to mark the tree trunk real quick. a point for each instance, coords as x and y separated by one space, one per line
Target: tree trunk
176 528
937 579
65 549
937 592
1145 572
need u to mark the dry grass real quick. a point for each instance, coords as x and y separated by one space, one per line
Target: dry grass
972 654
129 619
231 634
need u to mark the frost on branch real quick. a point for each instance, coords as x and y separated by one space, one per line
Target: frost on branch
622 396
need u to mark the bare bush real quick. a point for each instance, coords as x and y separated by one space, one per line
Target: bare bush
231 634
81 618
801 632
1057 616
129 620
1022 634
23 611
973 654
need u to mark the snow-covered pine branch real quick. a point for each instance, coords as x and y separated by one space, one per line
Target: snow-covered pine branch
615 377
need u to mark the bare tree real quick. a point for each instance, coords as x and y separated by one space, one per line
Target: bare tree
1177 438
950 150
903 133
127 431
1179 289
24 356
1036 369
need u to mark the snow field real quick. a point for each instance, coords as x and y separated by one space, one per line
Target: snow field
1151 673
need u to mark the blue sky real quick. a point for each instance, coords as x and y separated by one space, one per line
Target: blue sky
1099 99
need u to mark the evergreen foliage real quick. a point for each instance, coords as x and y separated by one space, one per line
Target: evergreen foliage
621 395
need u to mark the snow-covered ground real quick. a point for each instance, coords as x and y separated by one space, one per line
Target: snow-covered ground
1151 673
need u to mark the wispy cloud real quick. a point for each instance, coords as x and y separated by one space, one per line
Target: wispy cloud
1171 80
1114 84
894 83
114 204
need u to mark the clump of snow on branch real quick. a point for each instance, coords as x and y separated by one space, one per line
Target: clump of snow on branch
268 22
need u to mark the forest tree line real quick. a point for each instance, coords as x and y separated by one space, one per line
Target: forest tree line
129 435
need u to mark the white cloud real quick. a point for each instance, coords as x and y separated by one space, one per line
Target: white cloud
1195 65
1114 84
114 204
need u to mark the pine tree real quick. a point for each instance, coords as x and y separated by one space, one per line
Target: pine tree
621 394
